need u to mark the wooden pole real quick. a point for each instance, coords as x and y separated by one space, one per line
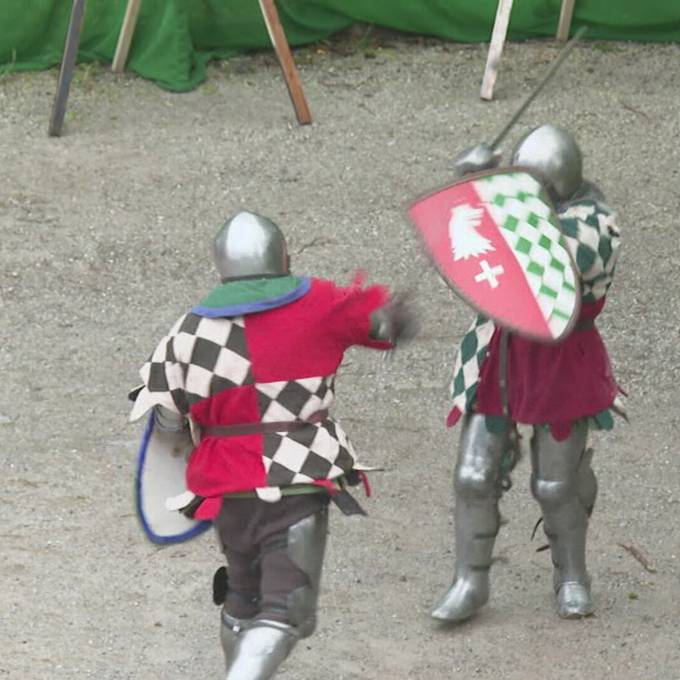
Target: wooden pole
566 14
125 37
68 64
290 72
500 30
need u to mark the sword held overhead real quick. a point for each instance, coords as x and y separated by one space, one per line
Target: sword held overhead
486 156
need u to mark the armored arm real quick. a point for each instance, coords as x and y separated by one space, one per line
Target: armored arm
476 159
169 421
394 321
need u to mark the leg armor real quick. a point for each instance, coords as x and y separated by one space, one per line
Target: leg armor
258 650
478 487
306 547
230 628
565 487
291 563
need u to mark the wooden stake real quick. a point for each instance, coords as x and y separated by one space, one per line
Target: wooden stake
290 72
68 65
566 13
125 37
500 30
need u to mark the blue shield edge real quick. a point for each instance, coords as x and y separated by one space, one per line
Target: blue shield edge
160 474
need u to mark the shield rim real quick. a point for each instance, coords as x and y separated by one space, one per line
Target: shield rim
519 331
201 525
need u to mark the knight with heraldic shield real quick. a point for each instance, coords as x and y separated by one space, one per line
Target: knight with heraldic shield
532 248
239 434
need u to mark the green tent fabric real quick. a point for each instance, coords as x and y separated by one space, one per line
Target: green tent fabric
175 39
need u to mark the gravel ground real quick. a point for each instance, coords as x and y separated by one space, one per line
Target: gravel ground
105 237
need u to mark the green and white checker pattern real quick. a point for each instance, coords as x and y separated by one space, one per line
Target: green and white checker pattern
593 239
528 226
471 355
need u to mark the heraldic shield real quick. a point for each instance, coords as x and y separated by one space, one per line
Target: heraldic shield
160 486
495 238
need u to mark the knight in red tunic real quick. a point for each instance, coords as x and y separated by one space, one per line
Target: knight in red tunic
251 370
563 390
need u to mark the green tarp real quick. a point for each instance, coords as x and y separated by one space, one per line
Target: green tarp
175 39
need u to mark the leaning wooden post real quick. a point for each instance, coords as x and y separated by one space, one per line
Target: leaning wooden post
566 14
500 30
290 72
68 64
125 37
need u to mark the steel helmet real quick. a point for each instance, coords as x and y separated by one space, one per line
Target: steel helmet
554 154
249 246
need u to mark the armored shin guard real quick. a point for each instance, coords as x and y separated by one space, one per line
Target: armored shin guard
306 548
256 651
230 629
477 482
564 485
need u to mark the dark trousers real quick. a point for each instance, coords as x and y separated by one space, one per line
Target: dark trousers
253 535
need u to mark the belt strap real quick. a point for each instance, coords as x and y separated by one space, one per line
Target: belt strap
261 428
293 490
514 451
503 372
584 325
346 503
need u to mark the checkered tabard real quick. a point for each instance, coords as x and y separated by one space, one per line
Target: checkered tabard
294 399
528 224
471 355
199 358
316 451
202 357
593 238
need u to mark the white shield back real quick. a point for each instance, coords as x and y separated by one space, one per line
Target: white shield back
160 478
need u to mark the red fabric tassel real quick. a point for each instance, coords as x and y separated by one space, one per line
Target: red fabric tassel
327 484
209 508
367 485
453 417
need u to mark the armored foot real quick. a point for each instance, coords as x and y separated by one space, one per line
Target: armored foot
574 601
462 601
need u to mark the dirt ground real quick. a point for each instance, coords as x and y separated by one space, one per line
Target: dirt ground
105 240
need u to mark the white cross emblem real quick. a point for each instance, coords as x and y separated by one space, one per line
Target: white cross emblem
489 274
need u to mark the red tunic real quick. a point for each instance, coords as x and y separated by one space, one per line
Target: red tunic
551 383
304 339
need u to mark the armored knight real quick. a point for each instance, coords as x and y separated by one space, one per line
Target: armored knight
251 371
563 390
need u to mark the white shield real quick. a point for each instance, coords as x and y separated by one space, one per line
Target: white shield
160 479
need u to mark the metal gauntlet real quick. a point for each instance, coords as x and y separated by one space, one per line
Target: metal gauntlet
476 159
395 321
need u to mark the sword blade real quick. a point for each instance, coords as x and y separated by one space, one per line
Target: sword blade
566 51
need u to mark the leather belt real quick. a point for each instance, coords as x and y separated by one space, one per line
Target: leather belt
261 428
